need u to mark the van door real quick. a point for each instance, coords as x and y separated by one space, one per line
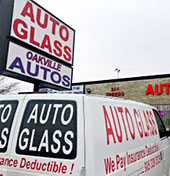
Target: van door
9 110
164 145
49 137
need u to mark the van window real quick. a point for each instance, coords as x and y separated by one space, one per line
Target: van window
7 112
49 128
161 126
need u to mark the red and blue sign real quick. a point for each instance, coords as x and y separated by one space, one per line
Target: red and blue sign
35 45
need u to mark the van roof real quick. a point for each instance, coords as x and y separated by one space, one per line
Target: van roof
122 100
132 102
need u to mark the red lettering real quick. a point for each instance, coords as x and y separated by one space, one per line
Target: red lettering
64 33
145 131
156 89
44 166
146 122
67 55
33 164
23 34
15 163
149 90
167 87
109 130
45 21
32 37
132 131
58 46
28 11
153 122
120 109
54 24
109 165
22 163
138 123
118 136
28 163
150 123
10 163
123 94
64 169
46 43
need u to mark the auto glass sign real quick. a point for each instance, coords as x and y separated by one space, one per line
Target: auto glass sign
48 129
37 27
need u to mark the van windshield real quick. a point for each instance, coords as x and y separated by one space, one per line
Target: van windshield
7 113
49 128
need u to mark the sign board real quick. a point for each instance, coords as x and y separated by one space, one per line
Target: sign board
47 128
29 33
75 90
31 64
35 26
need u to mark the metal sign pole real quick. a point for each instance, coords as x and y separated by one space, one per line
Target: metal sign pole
36 85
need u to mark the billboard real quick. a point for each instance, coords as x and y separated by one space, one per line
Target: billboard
30 33
31 64
78 89
35 26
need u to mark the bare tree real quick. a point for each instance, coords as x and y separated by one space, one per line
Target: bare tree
7 86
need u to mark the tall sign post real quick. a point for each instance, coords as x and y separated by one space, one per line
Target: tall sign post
35 46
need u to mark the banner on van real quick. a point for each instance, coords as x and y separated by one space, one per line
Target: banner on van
49 128
7 112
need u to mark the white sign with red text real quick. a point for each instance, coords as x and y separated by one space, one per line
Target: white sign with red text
30 64
37 27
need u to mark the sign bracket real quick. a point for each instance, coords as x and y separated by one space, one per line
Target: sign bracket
36 85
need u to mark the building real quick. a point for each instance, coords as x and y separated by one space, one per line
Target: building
153 90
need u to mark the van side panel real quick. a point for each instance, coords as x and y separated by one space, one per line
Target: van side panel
121 138
9 108
63 135
48 137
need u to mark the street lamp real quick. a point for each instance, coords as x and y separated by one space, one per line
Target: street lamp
117 70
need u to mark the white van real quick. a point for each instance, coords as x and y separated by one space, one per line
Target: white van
80 135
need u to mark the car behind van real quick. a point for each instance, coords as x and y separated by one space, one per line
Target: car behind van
80 135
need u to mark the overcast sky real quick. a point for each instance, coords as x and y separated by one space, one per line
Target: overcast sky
132 35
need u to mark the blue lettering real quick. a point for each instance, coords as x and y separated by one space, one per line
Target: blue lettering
66 81
58 75
35 58
17 63
45 72
29 69
29 55
40 59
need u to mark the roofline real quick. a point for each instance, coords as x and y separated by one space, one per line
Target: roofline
123 79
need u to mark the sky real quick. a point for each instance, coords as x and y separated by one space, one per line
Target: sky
131 35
